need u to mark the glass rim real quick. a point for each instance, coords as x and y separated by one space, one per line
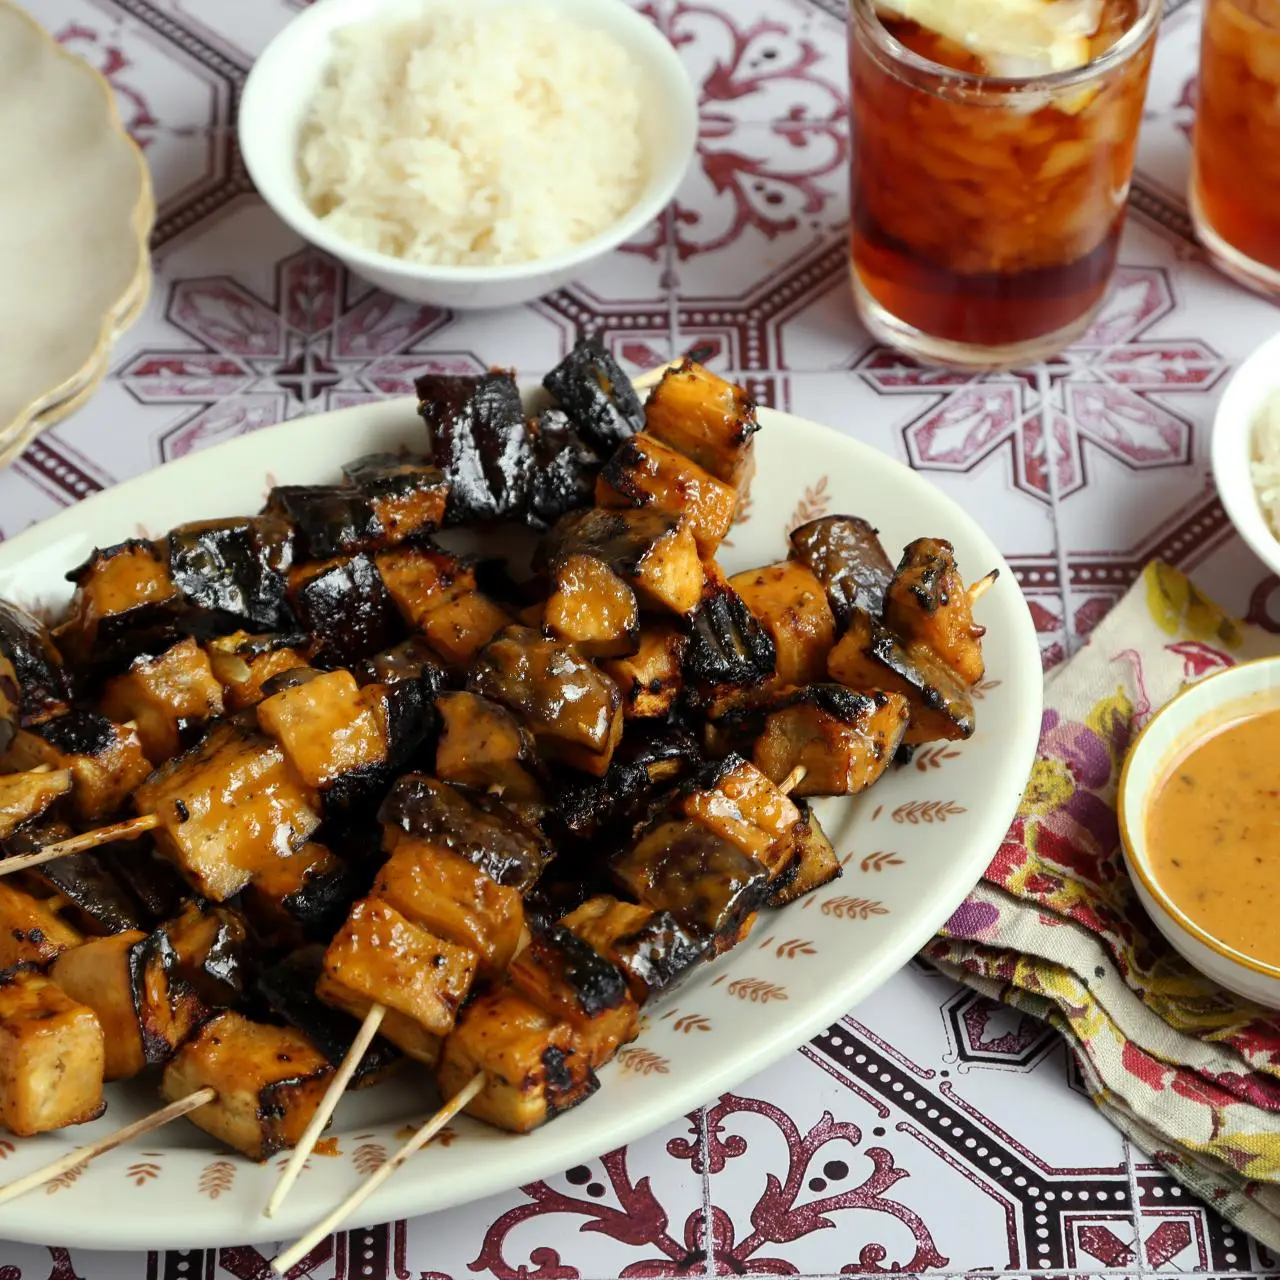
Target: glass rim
1119 53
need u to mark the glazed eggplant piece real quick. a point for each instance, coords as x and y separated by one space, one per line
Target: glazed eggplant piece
169 698
791 605
843 740
479 829
243 663
708 884
124 603
289 990
327 520
408 495
33 683
573 710
105 759
26 796
650 948
82 890
591 607
927 605
652 551
345 608
214 954
482 745
132 984
845 554
481 442
644 472
870 657
52 1055
269 1082
707 419
817 865
532 1070
567 978
728 645
651 678
31 930
591 388
152 881
564 470
233 568
303 897
411 677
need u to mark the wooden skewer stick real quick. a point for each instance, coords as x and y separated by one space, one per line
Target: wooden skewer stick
792 780
982 586
337 1087
129 829
290 1257
82 1155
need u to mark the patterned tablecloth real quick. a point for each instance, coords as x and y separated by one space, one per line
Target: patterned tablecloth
930 1130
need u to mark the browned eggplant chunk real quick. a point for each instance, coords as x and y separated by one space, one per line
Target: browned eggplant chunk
328 520
591 607
728 645
481 829
233 568
652 678
927 604
792 607
31 930
482 745
81 889
818 863
564 470
214 953
845 554
346 610
408 495
243 663
843 740
303 897
870 657
597 395
32 680
572 709
25 796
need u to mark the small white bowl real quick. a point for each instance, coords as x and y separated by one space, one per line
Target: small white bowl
286 76
1171 730
1232 450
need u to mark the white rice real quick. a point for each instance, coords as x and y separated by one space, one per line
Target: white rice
1265 464
474 135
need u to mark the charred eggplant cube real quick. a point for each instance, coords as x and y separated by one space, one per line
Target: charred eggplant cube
592 389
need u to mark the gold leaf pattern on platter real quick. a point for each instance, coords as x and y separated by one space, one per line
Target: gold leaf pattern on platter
984 687
687 1022
216 1178
879 860
65 1178
933 757
796 947
846 908
369 1157
757 990
918 811
142 1172
812 506
6 1148
643 1062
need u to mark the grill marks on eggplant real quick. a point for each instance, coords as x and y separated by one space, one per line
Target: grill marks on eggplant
845 554
596 395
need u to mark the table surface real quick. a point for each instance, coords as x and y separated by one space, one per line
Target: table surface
1082 470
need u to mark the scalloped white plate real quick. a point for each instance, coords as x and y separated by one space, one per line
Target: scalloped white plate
913 847
76 210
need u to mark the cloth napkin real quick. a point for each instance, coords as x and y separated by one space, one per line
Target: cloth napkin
1189 1072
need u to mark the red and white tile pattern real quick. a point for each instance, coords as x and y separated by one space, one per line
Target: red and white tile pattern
929 1131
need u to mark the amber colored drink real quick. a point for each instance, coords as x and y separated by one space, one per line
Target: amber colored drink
986 212
1235 184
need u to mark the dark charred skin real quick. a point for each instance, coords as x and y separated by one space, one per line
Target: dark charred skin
596 984
621 539
291 679
660 953
234 568
214 955
845 554
408 495
100 904
327 520
347 611
483 832
412 676
289 990
481 442
565 1090
163 1024
727 643
563 889
929 681
37 670
77 733
597 395
153 881
564 472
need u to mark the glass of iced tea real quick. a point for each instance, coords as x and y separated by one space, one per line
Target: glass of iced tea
1235 177
993 147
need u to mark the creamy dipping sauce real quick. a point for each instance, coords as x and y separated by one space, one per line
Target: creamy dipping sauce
1213 833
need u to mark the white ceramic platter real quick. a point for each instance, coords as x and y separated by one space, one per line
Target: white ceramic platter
912 848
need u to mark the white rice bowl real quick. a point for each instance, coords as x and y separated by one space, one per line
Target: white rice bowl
473 137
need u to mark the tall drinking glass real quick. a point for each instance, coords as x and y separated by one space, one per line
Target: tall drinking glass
987 209
1235 177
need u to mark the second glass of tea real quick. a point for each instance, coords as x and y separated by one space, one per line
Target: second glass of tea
993 147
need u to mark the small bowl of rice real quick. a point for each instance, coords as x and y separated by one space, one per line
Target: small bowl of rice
468 153
1246 451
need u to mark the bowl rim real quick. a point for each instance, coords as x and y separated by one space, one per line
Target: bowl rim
1138 867
646 46
1230 453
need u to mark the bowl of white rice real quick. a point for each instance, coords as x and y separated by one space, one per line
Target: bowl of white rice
468 153
1246 451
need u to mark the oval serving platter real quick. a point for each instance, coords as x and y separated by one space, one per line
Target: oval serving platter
912 848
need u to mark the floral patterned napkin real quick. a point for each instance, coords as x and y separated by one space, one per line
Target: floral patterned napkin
1189 1072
